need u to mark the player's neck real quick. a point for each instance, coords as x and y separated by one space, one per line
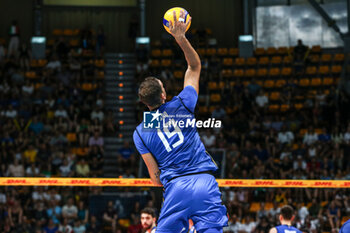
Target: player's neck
288 223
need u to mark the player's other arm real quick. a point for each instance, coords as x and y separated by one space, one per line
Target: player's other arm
152 167
273 230
192 74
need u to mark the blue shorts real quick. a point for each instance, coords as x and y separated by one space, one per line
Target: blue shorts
195 197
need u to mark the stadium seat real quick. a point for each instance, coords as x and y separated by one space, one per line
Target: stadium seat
287 60
101 74
328 81
254 207
319 131
201 51
284 107
271 51
276 60
233 52
314 58
282 51
286 71
316 82
250 72
203 109
316 49
263 61
213 86
179 74
99 63
339 57
215 98
239 61
246 83
262 72
251 61
156 53
226 73
167 52
74 42
302 132
311 70
211 51
323 70
275 96
68 32
57 32
222 52
274 107
298 106
280 83
154 63
325 58
336 69
38 85
269 84
34 63
259 51
221 85
71 137
238 73
273 72
31 75
304 82
165 62
227 62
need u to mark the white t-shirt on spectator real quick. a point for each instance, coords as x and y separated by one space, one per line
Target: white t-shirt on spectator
61 113
347 137
69 210
297 166
3 199
261 100
65 170
247 227
11 113
54 65
232 227
30 172
28 89
285 137
99 115
303 213
310 138
209 140
273 212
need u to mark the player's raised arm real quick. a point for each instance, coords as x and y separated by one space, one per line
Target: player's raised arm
178 30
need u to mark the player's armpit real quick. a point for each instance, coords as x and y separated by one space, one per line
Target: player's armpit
153 169
273 230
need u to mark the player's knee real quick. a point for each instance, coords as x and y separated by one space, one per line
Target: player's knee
211 230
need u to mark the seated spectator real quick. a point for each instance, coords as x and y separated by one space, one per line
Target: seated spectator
54 64
94 225
285 137
32 170
79 227
219 113
96 140
126 151
83 213
65 226
302 212
333 214
70 211
110 216
261 99
28 88
347 135
51 227
39 214
248 226
337 136
61 112
36 125
65 169
11 112
15 213
233 225
261 212
263 225
54 212
325 136
208 139
275 209
16 169
253 87
310 137
82 168
300 163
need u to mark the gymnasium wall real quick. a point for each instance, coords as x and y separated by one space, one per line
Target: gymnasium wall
22 11
224 17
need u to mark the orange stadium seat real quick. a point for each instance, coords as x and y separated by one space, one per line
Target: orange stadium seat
165 62
251 61
211 51
263 61
213 86
275 95
316 49
274 72
328 81
38 85
68 32
74 42
323 70
315 58
232 83
203 109
305 82
316 82
250 72
154 63
280 83
222 51
99 63
34 63
259 51
179 74
31 75
239 61
298 106
284 107
287 60
71 137
226 73
276 60
274 107
101 74
269 84
201 51
238 73
282 50
215 98
336 69
271 51
286 71
302 132
326 58
311 70
233 52
262 72
254 207
227 61
167 52
57 32
339 57
156 52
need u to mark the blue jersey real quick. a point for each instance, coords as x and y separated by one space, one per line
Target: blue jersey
177 148
287 229
345 228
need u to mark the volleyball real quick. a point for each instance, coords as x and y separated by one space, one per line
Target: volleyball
168 16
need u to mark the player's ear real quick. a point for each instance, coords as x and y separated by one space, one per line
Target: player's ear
292 218
280 217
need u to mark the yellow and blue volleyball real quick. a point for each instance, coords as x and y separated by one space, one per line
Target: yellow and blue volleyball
168 16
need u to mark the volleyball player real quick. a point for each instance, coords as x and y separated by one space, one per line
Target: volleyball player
286 218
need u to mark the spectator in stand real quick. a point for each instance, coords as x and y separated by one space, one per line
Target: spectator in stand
51 227
70 211
96 140
16 169
82 168
94 226
110 216
209 139
54 211
24 57
310 137
14 33
284 136
79 227
261 99
83 213
2 53
15 213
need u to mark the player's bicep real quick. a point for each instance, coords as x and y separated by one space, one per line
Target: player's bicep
152 167
192 78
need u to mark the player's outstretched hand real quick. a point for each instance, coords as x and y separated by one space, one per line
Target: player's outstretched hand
178 28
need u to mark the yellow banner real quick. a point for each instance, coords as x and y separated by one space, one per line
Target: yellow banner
14 181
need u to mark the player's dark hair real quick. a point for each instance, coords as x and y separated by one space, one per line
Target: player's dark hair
287 212
150 92
149 211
